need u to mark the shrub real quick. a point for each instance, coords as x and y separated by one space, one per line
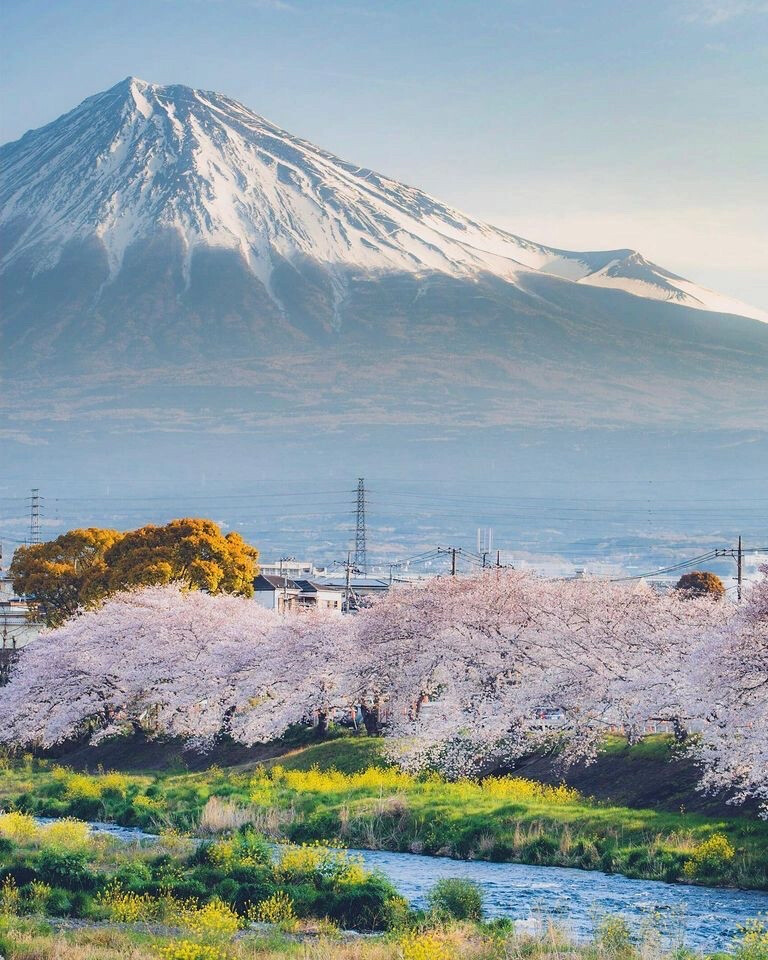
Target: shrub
457 898
275 909
753 941
125 906
9 896
614 937
36 895
540 850
244 849
189 950
67 834
711 858
133 875
364 906
18 827
701 583
59 903
214 921
66 869
423 946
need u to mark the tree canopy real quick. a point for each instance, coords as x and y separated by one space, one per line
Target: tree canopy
65 573
189 551
82 567
464 672
701 583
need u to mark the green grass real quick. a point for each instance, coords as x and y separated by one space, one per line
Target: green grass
390 811
656 746
347 755
24 938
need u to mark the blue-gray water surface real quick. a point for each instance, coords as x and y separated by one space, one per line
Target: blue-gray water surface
706 918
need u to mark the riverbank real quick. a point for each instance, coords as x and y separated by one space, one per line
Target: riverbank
344 791
36 939
240 897
654 774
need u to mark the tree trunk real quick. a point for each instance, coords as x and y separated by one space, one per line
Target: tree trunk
678 727
371 720
322 725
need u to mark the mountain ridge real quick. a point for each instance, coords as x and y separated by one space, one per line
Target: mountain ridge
141 157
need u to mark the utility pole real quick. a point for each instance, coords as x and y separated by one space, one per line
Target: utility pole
739 568
34 516
453 561
348 568
361 551
285 582
736 554
498 558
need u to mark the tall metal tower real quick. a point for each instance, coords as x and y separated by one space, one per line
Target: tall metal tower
361 551
34 516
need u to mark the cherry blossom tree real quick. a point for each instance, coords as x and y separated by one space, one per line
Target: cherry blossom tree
471 665
459 673
733 708
150 658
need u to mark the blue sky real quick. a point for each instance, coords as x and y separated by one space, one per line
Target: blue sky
639 123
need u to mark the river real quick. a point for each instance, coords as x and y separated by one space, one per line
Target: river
706 918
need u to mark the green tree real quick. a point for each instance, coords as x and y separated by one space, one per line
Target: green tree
701 583
64 574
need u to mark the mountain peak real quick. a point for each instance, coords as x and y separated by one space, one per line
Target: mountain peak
143 158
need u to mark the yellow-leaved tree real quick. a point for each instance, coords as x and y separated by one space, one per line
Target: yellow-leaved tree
82 567
64 574
190 551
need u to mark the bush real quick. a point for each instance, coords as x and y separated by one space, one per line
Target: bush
701 583
614 937
364 906
753 941
65 869
424 946
541 850
457 898
710 859
133 875
58 903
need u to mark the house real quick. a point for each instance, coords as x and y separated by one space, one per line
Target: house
295 569
361 586
315 596
286 594
17 626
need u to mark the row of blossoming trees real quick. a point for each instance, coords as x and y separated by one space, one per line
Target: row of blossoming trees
465 668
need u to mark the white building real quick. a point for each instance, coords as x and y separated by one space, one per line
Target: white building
284 593
17 627
295 569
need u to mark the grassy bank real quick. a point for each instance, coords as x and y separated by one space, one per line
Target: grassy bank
344 791
35 939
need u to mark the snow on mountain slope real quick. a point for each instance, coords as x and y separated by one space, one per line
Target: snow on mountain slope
141 157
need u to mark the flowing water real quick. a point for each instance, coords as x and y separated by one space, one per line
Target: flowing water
707 918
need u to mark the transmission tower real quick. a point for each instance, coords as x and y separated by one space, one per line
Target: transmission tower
34 516
361 552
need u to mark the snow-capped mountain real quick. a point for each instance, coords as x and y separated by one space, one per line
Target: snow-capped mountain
182 282
143 160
